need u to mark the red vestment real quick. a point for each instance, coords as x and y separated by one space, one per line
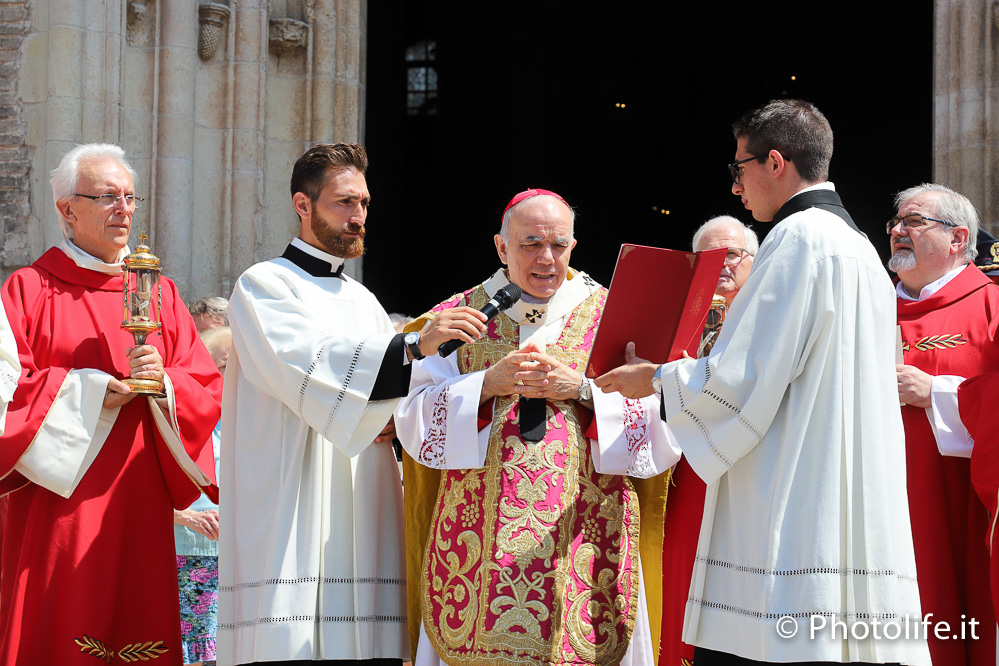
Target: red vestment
93 577
947 334
684 512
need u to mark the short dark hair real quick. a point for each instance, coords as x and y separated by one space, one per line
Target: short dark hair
795 129
314 167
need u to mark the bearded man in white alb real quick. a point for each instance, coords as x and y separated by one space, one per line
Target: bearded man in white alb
311 551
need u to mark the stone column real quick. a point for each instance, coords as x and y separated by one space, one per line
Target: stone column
172 215
966 102
213 131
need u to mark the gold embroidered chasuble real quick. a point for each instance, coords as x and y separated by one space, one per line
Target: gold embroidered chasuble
531 558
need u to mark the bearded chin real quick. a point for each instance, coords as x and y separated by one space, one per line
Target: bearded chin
335 243
338 248
902 261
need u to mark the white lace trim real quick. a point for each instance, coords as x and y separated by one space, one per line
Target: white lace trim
636 432
432 451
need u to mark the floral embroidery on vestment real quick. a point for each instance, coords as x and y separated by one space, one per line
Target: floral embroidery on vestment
533 558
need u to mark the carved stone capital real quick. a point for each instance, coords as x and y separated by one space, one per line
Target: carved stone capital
212 19
288 35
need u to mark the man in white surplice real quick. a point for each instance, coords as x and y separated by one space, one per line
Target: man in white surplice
547 515
793 421
311 551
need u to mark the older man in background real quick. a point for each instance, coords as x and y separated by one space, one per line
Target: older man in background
686 498
210 312
947 312
725 231
88 553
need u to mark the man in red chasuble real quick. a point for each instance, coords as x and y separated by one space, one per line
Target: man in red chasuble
94 471
534 503
947 312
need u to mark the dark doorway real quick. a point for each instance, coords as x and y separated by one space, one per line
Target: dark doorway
625 109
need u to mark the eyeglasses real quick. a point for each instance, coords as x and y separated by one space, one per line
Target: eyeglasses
915 222
112 199
735 255
736 170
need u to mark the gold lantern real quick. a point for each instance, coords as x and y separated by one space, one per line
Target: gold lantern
712 327
142 276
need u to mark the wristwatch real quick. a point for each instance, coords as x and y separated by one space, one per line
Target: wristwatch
412 341
657 380
585 390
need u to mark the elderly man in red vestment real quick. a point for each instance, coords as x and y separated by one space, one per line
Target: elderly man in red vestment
88 572
947 313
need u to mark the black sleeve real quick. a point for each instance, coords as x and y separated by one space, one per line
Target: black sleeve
393 377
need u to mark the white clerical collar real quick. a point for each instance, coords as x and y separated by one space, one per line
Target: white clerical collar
574 290
827 185
931 288
92 263
334 262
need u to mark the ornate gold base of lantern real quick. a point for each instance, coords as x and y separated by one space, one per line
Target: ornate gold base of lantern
152 387
140 327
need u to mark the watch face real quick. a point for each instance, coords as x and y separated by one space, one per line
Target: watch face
412 338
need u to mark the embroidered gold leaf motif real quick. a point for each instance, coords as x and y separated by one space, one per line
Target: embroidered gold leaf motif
940 342
142 651
95 647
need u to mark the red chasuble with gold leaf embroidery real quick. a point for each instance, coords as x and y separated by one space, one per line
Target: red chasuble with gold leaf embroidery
91 578
532 558
947 334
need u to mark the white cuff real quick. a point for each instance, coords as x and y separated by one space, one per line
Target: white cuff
170 430
945 417
72 434
634 440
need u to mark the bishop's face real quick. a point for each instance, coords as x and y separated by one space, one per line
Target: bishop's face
100 230
540 242
334 222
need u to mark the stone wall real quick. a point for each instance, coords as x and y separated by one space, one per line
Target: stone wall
15 202
966 102
213 102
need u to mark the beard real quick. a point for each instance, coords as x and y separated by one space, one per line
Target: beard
334 241
902 261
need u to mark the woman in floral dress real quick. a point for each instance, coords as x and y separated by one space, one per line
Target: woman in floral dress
196 532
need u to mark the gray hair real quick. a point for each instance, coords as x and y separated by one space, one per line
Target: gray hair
65 177
212 306
752 242
216 338
951 206
505 227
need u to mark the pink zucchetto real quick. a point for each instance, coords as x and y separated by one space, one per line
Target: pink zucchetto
527 194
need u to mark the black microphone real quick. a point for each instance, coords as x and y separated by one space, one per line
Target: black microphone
503 299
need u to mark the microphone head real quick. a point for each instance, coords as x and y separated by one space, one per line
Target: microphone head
508 295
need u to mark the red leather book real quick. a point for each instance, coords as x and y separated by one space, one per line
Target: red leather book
659 299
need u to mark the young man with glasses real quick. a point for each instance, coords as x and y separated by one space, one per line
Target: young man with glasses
793 422
947 313
88 564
